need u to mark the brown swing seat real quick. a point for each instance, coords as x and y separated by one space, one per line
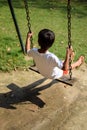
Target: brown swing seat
63 79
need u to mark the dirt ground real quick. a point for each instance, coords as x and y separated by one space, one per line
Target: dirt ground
28 101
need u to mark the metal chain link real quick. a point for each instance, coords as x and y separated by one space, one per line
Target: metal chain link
69 35
28 20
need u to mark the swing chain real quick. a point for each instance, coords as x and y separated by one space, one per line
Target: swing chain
28 20
69 35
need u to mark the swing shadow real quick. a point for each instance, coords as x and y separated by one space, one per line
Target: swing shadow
19 95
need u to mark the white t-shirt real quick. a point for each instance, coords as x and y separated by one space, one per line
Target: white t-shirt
48 64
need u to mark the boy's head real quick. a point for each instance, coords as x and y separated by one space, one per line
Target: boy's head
46 38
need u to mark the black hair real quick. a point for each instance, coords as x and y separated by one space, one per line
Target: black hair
46 38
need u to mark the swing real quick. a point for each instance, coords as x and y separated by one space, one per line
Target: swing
65 80
69 81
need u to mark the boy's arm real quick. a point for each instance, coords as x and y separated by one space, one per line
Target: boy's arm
28 42
66 62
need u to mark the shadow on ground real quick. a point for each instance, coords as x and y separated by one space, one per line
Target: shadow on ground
28 93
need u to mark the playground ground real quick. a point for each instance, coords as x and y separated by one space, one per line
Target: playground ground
28 101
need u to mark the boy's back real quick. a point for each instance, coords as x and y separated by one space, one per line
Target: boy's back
47 63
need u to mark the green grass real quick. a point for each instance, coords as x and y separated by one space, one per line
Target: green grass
43 14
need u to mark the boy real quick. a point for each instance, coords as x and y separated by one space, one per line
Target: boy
48 64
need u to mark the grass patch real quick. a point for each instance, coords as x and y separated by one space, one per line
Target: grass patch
43 14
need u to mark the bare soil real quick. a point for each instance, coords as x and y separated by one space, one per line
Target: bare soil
28 101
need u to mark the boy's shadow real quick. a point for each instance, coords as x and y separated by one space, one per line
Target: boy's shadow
28 93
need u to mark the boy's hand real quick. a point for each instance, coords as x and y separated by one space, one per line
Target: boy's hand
29 35
69 51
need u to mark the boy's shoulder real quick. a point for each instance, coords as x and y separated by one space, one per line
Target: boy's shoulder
34 49
52 55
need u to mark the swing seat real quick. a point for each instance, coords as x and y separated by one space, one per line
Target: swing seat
34 68
63 79
67 80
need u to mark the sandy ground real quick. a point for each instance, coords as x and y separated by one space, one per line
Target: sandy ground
28 101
